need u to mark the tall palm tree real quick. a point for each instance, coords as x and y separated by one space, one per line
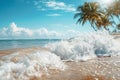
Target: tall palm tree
90 11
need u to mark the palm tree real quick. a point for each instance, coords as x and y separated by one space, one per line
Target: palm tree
104 22
117 13
91 12
114 11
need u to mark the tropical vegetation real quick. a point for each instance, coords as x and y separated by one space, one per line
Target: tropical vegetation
99 17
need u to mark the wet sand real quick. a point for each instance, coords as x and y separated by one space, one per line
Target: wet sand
104 68
21 50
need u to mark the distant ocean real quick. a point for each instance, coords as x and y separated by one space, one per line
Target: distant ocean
24 43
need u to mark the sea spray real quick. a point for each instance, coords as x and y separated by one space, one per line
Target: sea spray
86 46
81 48
29 66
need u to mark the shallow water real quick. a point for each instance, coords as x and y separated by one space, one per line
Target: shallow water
35 64
24 43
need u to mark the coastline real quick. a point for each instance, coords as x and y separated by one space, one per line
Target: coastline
27 50
102 68
105 68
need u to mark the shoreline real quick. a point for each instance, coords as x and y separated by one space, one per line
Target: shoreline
100 68
104 68
30 49
89 70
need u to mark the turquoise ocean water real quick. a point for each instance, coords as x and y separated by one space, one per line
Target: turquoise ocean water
24 43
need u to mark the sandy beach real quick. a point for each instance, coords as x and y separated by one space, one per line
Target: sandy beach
60 40
104 68
21 50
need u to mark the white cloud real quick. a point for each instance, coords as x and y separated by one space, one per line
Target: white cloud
55 14
54 5
59 6
15 32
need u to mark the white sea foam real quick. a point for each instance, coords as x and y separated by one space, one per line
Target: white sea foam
86 46
83 47
28 66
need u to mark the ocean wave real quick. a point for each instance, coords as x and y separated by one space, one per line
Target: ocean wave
86 46
20 66
25 67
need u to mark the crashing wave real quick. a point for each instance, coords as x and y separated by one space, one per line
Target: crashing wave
86 46
81 48
17 67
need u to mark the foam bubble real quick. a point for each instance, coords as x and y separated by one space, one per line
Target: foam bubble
86 46
28 66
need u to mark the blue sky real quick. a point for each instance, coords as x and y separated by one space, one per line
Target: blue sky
51 15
